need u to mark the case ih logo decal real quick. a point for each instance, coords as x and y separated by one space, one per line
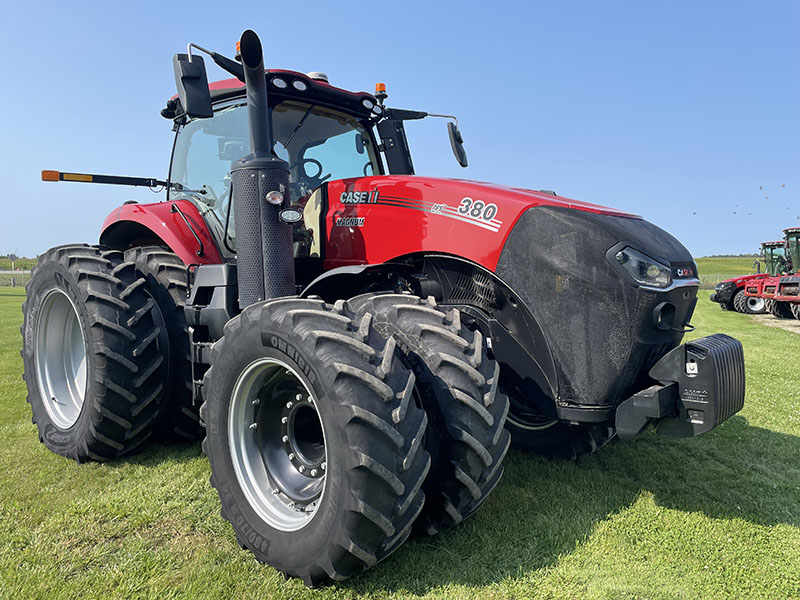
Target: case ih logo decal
684 271
359 197
474 212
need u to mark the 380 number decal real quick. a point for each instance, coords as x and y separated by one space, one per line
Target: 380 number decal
477 209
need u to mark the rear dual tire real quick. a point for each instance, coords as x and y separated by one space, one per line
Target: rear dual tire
779 309
91 353
166 282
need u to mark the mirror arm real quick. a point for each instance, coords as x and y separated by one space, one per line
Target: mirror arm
231 66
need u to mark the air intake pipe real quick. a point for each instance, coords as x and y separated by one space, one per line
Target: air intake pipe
260 189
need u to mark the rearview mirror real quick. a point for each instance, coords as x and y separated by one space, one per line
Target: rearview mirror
192 84
457 144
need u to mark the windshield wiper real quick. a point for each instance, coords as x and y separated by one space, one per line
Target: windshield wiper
298 126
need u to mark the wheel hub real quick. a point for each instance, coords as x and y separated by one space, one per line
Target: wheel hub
301 433
755 304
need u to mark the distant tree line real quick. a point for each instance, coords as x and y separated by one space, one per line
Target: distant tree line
746 255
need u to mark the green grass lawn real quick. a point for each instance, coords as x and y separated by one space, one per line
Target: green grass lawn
712 517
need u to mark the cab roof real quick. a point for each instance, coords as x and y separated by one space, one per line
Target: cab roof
316 91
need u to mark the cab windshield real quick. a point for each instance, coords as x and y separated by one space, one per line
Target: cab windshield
775 259
319 143
793 242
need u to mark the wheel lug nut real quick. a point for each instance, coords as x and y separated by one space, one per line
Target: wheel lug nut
298 397
302 469
291 505
284 419
288 405
313 472
256 402
253 425
311 400
291 455
324 466
285 439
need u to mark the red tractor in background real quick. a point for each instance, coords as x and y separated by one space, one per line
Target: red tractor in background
780 260
787 295
739 293
358 341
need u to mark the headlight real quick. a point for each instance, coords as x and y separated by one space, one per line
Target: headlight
644 269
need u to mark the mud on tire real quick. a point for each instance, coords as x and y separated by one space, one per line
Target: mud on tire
370 430
167 283
457 385
91 358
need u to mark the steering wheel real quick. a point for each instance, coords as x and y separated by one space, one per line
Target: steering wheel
308 182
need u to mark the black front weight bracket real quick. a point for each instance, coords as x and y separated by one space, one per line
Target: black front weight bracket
701 384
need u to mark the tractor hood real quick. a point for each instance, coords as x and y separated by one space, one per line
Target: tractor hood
406 214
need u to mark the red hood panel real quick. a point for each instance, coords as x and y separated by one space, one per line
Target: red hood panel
376 219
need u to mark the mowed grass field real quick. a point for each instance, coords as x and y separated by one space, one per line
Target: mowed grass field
712 517
730 266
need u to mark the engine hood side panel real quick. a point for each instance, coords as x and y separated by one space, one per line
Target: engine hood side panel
598 323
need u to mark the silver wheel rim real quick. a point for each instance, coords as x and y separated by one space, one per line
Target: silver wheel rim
755 304
60 357
277 444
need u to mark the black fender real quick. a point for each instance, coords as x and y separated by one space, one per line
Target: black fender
515 336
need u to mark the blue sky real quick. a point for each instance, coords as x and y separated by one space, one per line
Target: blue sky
684 112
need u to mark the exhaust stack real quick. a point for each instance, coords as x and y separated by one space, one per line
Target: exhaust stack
264 254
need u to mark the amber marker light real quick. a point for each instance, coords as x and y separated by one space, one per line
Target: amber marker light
380 88
50 176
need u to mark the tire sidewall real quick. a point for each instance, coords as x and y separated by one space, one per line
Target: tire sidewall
287 550
50 276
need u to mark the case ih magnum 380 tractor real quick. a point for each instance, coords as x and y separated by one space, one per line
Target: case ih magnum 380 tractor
738 293
355 337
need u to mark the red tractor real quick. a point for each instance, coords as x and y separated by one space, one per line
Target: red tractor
779 260
354 338
742 294
787 295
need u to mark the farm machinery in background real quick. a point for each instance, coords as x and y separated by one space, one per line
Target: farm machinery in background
779 289
357 341
788 292
739 293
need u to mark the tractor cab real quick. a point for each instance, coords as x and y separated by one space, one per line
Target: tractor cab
792 237
322 132
774 255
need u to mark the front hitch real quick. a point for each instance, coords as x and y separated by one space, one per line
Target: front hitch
701 384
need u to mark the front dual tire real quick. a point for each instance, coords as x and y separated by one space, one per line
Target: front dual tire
357 416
